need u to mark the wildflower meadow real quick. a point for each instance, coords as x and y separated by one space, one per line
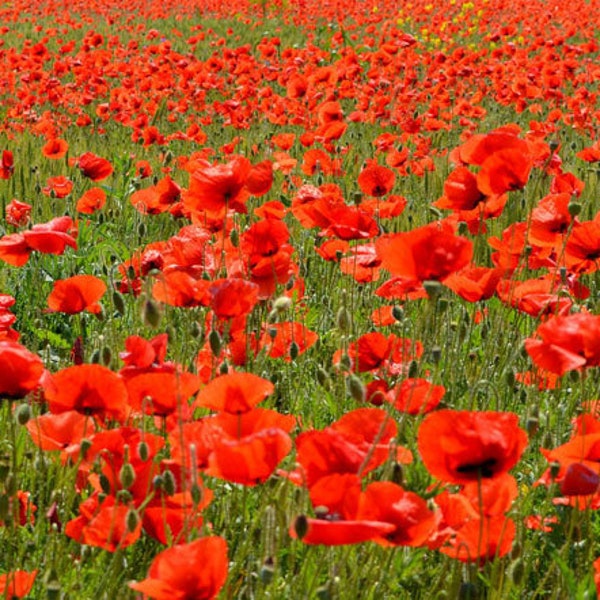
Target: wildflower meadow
299 299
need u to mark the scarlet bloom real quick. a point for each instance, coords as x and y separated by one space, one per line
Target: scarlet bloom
94 167
55 148
58 187
76 294
17 213
464 446
6 165
196 570
90 389
565 343
416 396
235 392
91 201
216 188
17 584
376 180
20 370
431 252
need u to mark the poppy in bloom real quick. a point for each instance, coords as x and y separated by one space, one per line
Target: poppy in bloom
58 187
52 237
17 584
90 389
235 392
6 165
464 446
103 524
196 570
217 188
416 396
55 148
17 213
76 294
283 339
375 180
20 370
232 297
566 343
431 252
91 201
94 167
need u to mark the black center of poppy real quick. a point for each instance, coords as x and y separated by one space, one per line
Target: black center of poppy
484 468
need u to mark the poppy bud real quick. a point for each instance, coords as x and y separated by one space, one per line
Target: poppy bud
413 369
195 330
132 520
356 388
127 476
84 446
196 493
104 483
23 414
150 314
343 320
301 526
294 350
532 426
323 378
53 589
119 302
142 229
169 483
574 208
436 354
223 368
345 362
214 341
468 591
282 304
4 507
95 357
516 572
106 356
158 482
267 571
234 237
398 313
143 451
554 469
397 474
124 496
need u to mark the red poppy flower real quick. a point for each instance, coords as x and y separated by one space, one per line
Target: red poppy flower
251 459
161 393
232 297
93 167
17 213
429 252
279 338
565 343
17 584
376 180
339 533
216 188
235 392
20 370
58 187
260 178
463 446
158 198
51 237
195 570
92 201
90 389
76 294
55 148
388 502
416 396
103 524
63 431
6 165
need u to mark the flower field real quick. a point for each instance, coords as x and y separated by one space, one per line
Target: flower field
299 299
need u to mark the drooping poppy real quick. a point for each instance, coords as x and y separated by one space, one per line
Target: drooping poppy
20 370
463 446
76 294
195 570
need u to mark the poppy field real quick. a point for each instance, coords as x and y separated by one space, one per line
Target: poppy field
299 299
